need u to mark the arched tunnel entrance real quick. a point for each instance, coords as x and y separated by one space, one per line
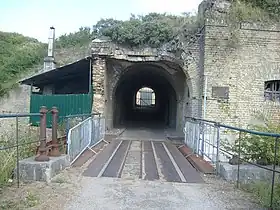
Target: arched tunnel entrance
145 96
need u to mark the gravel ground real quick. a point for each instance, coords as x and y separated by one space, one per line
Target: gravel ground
71 191
109 193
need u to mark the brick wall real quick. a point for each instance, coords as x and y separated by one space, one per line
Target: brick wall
243 67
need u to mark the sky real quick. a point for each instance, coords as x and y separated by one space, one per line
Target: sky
34 17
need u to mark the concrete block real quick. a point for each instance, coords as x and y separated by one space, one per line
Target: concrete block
247 173
31 170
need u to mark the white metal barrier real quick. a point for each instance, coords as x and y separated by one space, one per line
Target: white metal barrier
204 139
84 136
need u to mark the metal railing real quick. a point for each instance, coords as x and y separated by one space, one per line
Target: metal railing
84 136
26 144
70 121
206 138
15 147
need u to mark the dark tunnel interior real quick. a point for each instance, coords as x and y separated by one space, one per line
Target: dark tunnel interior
132 109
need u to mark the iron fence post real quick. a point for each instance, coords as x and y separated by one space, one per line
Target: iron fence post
202 140
92 129
194 139
273 173
42 148
238 161
198 138
67 125
218 150
55 147
192 128
99 128
17 142
185 132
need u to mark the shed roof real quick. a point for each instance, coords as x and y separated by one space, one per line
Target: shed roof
70 70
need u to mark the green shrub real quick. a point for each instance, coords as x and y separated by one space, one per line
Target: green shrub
80 38
244 11
151 30
272 7
18 55
257 148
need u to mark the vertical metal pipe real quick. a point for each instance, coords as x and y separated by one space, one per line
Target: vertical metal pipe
202 139
90 76
67 126
212 143
17 142
273 173
218 150
42 148
198 138
185 132
194 138
55 147
239 156
92 130
209 143
205 97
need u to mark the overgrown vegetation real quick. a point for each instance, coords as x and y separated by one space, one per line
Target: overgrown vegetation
271 7
29 201
248 11
262 191
77 39
27 136
150 30
259 150
256 148
17 55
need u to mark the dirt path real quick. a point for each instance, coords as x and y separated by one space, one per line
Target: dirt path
70 190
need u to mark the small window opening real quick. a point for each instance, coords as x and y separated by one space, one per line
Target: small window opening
145 97
272 90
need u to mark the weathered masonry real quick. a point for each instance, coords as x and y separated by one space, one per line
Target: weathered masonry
243 77
213 77
223 75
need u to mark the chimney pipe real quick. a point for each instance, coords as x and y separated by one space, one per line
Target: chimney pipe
49 61
51 42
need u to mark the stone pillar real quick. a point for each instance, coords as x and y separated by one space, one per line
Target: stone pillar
98 84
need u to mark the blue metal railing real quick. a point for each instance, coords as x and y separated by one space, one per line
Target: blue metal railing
204 137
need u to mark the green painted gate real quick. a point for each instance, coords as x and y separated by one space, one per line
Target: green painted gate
67 104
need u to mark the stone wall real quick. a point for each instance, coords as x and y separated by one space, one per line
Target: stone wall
98 83
236 61
243 67
112 61
18 101
194 70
